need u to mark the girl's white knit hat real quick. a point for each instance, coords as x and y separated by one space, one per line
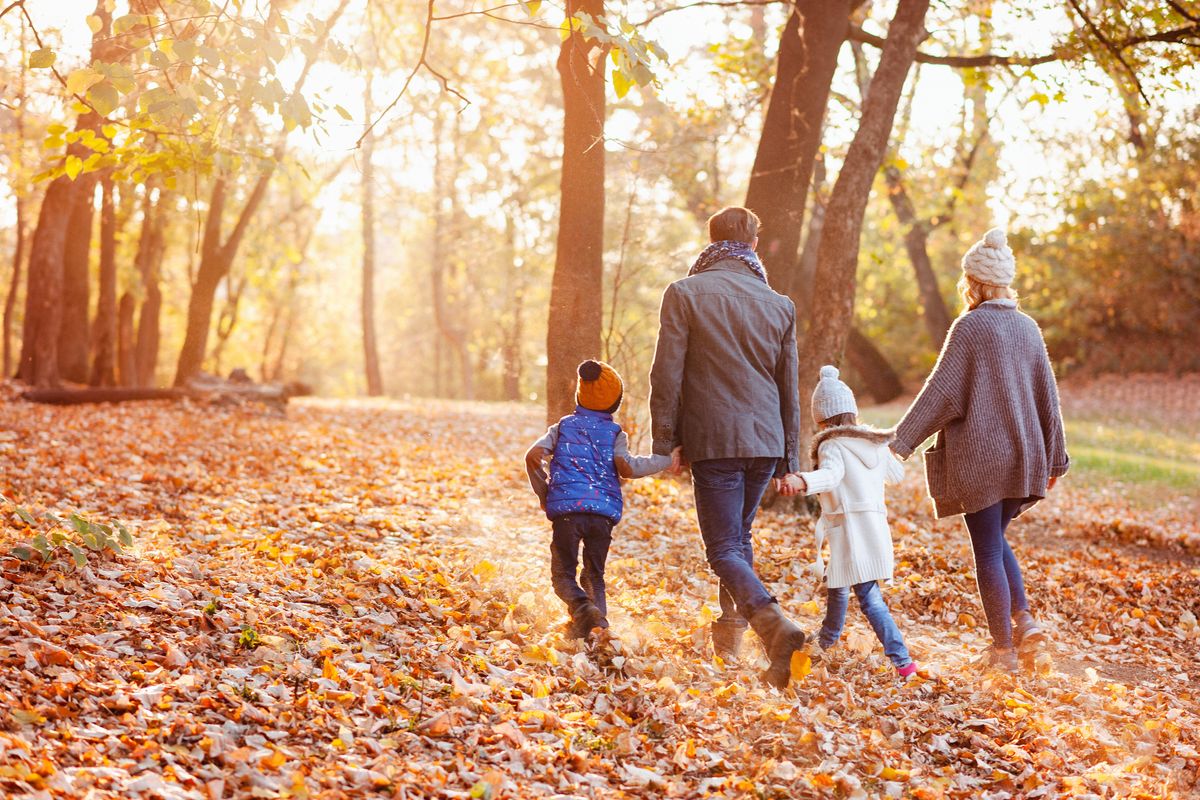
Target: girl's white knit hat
832 396
990 260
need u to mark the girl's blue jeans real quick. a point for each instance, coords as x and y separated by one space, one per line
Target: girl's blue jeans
1001 587
870 600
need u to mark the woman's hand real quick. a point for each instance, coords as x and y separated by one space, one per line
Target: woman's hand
1053 480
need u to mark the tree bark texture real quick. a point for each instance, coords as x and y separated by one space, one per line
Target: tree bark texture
151 246
104 333
74 340
576 305
916 244
872 369
10 302
791 136
126 342
837 256
370 347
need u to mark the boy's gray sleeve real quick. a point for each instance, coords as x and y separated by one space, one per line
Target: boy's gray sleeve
639 466
538 481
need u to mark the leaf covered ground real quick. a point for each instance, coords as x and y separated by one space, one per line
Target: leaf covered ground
353 601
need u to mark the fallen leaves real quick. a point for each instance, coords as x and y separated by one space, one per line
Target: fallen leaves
355 600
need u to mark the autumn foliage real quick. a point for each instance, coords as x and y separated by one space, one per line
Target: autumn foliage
353 601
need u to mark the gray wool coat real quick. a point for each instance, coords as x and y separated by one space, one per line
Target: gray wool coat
724 379
993 402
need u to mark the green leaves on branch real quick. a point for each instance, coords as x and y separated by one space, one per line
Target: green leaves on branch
632 55
74 537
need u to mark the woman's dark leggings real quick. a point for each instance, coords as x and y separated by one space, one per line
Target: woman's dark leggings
1000 585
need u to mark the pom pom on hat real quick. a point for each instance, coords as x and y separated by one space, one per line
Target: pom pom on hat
990 260
600 386
832 396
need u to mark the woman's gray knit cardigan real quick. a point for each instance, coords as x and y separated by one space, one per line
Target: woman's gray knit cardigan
993 403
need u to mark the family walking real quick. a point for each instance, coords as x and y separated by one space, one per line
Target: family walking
724 400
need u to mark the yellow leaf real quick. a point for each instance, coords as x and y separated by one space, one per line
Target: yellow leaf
484 570
73 167
94 23
275 760
621 84
891 774
810 607
329 669
801 665
82 79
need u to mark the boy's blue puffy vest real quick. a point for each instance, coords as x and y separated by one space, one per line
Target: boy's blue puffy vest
583 478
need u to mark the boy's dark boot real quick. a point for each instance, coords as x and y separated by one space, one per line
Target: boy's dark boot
727 640
584 619
781 637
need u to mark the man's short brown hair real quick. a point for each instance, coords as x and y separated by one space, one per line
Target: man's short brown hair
733 223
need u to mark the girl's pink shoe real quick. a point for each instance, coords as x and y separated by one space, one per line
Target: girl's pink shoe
908 670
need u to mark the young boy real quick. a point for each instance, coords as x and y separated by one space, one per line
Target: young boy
589 454
853 464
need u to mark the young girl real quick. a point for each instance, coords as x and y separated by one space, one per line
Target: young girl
853 463
993 403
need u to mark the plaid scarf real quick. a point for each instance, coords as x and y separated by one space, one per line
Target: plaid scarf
719 251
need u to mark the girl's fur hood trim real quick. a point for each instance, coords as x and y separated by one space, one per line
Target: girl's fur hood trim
853 432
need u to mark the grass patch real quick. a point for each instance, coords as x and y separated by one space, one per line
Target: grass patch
1111 449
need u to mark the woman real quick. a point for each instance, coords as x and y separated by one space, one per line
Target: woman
993 403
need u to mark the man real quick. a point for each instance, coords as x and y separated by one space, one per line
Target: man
724 396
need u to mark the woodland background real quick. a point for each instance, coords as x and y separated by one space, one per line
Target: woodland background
398 198
439 203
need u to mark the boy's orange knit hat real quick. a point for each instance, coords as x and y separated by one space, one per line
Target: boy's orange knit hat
600 386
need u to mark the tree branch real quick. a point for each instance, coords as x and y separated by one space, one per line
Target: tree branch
1061 53
1108 45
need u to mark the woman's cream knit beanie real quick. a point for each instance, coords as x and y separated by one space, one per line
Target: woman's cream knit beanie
990 260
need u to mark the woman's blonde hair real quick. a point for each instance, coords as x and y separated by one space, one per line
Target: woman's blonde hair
974 292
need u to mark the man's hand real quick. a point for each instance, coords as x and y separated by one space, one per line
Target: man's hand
676 460
790 485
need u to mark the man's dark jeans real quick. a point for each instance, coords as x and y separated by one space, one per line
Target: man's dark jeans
728 491
595 533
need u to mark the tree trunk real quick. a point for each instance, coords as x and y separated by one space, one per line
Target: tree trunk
791 136
216 257
370 348
43 295
14 285
872 369
74 341
151 245
916 244
58 230
126 343
806 267
514 330
837 257
576 306
104 332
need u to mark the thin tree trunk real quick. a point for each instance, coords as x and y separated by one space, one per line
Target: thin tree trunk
74 340
370 347
838 254
791 136
576 306
10 302
916 244
151 245
514 329
104 332
20 187
126 342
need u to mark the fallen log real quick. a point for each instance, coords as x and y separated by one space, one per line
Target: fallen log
71 397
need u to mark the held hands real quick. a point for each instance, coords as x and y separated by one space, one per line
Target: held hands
790 485
677 462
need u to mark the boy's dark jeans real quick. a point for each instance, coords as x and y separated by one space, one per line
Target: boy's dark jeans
728 491
595 532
